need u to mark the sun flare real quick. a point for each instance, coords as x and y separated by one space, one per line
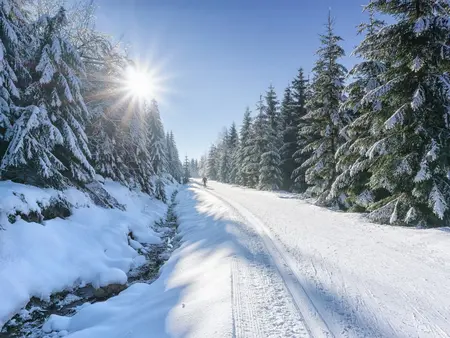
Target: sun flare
140 83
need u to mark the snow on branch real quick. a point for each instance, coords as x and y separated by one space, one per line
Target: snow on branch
418 98
437 202
378 148
423 174
396 118
381 90
417 64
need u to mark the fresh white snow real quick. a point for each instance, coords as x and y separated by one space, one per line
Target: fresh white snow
263 264
91 246
364 279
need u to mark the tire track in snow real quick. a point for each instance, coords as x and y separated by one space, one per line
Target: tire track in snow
246 324
314 322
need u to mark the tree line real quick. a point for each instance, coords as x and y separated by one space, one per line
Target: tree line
65 114
372 139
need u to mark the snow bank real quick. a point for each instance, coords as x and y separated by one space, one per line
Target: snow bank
190 298
90 246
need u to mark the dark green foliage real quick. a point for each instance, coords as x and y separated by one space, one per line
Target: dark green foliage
293 156
321 130
407 148
269 165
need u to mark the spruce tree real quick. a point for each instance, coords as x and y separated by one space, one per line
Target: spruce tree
156 142
49 144
233 137
233 146
352 163
175 167
105 129
136 147
14 41
289 133
169 155
273 112
186 171
324 119
409 135
257 145
242 154
211 167
224 158
225 165
294 154
269 165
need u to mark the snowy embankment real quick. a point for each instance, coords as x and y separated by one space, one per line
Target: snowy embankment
91 246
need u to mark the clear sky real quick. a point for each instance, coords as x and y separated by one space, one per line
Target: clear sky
217 56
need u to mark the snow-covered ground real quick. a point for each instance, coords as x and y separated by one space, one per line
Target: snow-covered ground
90 246
260 264
364 279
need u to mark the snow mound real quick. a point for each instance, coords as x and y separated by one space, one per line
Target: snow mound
110 276
56 323
90 246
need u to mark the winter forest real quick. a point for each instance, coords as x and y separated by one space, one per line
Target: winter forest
105 231
372 139
66 116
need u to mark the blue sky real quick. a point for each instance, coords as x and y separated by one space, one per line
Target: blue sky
218 56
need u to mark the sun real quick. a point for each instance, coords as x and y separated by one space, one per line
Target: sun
140 83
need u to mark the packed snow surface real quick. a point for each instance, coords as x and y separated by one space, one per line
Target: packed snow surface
90 246
364 279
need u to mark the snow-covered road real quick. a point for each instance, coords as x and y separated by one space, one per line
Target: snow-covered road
261 264
349 277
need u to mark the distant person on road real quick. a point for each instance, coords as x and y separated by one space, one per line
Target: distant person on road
204 181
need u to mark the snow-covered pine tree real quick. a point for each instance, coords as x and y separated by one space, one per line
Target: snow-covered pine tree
224 164
233 137
256 145
242 154
224 158
324 119
233 146
186 171
289 133
352 162
177 165
169 155
103 92
14 41
410 134
156 142
273 113
173 159
136 146
49 145
211 166
294 149
269 165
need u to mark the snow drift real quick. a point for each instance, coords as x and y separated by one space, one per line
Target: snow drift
89 247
